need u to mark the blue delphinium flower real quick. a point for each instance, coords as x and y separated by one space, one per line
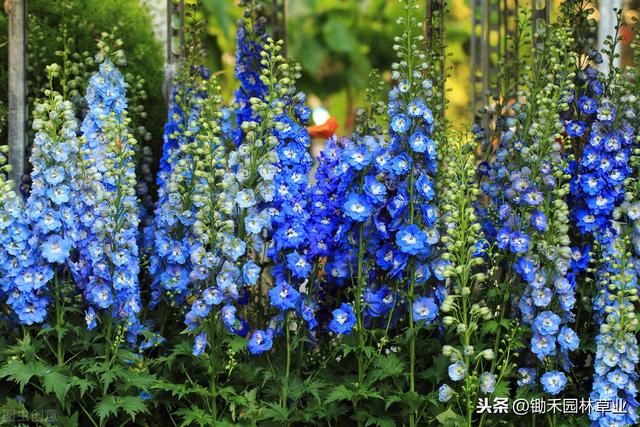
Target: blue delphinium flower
107 267
553 382
170 237
457 370
424 309
343 320
50 230
260 341
527 184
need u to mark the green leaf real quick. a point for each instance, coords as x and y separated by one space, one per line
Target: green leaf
341 392
380 422
105 407
82 383
56 382
20 373
132 405
450 418
338 36
195 416
387 366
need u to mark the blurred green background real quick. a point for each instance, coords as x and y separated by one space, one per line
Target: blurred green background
338 42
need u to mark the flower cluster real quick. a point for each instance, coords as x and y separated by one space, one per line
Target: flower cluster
616 357
528 184
108 260
250 38
170 238
602 167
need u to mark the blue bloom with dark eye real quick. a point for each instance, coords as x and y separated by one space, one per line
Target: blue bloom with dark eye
424 308
547 323
519 242
400 123
260 341
575 128
343 320
457 371
411 239
283 296
357 207
375 189
539 221
553 382
199 344
587 105
212 296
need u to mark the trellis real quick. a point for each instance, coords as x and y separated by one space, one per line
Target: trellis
493 22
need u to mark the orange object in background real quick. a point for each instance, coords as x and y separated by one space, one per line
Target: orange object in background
324 131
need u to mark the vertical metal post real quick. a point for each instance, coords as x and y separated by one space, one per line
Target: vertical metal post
17 87
174 8
607 28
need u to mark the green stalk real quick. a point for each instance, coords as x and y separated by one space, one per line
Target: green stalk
213 383
59 320
412 340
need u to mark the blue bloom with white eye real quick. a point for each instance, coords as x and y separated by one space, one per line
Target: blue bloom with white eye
425 187
343 320
587 105
411 239
547 323
374 189
299 265
527 376
575 128
519 242
457 371
400 123
90 318
487 382
260 341
199 344
445 393
553 382
539 221
250 272
283 296
419 142
568 339
424 308
357 207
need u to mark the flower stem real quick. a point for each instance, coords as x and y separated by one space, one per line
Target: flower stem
59 320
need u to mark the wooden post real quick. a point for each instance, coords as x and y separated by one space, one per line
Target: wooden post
17 87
